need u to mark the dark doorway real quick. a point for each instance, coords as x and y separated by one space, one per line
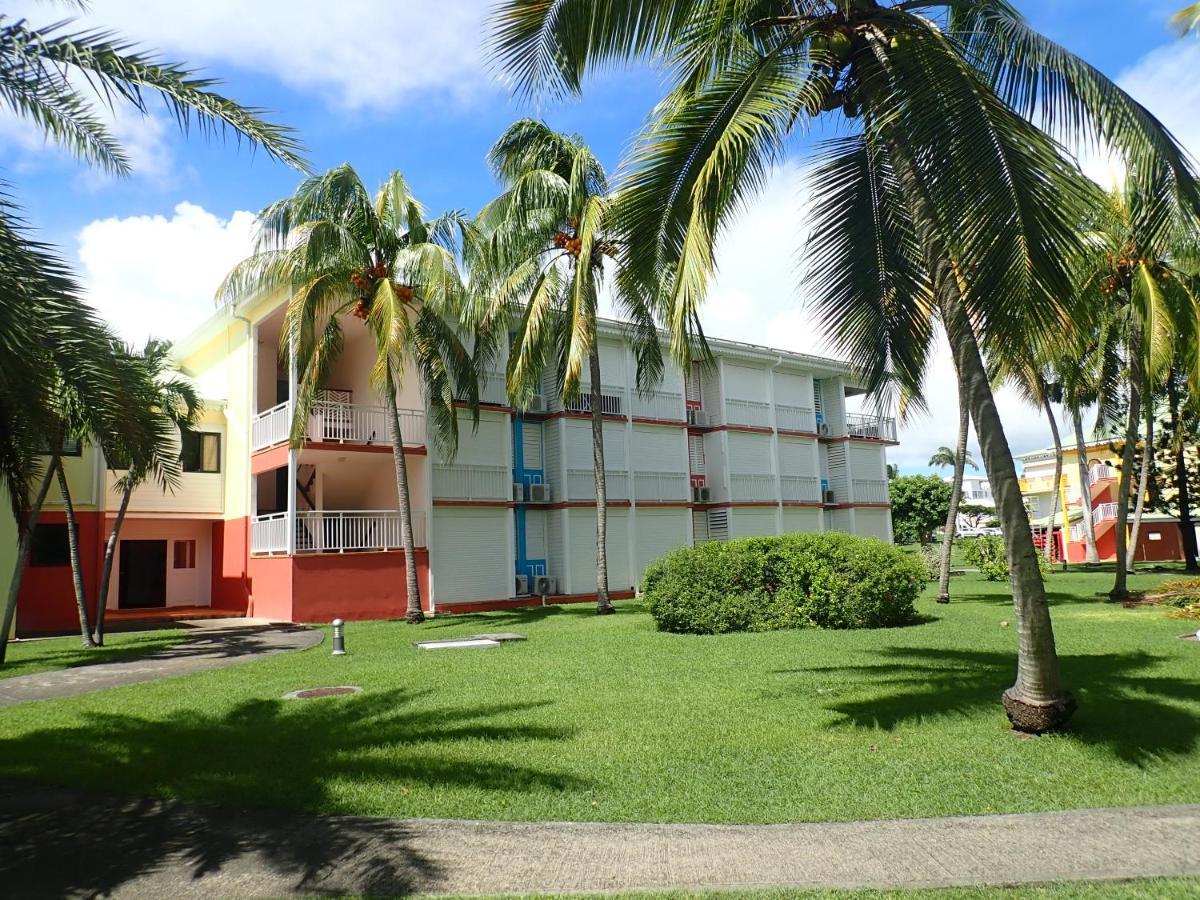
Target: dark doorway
143 575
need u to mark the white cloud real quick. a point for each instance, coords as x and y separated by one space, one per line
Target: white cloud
360 54
154 276
1165 82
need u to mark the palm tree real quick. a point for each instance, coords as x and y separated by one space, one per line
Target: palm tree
172 400
340 254
549 236
942 201
1187 19
958 458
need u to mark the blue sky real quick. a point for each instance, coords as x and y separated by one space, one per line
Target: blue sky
404 84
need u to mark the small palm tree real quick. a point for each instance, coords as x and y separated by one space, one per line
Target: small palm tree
549 236
958 458
946 458
341 254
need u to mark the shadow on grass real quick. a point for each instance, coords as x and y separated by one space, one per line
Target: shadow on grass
72 657
298 755
1135 715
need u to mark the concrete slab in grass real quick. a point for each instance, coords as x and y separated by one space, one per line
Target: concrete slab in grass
456 644
501 636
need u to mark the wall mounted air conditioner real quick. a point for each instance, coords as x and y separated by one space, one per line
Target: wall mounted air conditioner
539 493
829 497
823 429
697 417
544 585
522 585
701 494
518 491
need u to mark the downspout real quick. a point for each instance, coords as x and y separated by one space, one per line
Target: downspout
249 482
775 446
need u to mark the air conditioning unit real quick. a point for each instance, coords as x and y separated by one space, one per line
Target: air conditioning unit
701 494
544 585
824 430
518 491
697 417
539 493
537 404
522 585
829 497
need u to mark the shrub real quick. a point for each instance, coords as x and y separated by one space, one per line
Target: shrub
794 581
931 559
1180 593
986 553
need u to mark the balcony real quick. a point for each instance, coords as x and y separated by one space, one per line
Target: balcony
750 488
1099 474
581 484
660 486
338 423
612 400
334 531
469 482
868 490
795 418
751 413
800 488
871 428
1103 514
666 405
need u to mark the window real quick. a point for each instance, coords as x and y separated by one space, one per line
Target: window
70 447
201 451
185 554
50 546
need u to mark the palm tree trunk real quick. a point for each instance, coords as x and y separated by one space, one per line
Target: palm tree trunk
603 604
24 545
1120 589
1058 467
1085 488
76 564
1183 498
1143 487
414 614
960 466
110 549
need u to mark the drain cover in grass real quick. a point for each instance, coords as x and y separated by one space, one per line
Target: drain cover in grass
457 644
314 693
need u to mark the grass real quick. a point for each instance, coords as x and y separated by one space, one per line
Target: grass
606 719
50 654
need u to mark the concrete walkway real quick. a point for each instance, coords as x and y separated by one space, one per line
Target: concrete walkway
216 643
67 843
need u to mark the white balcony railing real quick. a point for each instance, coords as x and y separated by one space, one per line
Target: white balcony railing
268 534
468 482
340 423
666 405
581 484
660 485
1099 473
876 428
800 488
334 531
612 400
1104 512
868 490
795 418
493 389
755 413
751 487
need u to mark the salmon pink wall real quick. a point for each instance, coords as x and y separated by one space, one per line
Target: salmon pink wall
331 586
270 587
230 586
1169 549
46 603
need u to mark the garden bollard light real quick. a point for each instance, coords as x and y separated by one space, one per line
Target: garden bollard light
339 638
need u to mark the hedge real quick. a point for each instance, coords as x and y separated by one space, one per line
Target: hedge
826 580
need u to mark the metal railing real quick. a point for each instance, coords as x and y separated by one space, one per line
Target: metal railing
751 487
659 405
799 488
795 418
868 490
468 482
660 485
755 413
340 423
612 400
493 388
270 427
268 534
876 428
1100 473
1103 513
336 531
581 484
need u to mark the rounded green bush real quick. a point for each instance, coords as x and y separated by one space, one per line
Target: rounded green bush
827 580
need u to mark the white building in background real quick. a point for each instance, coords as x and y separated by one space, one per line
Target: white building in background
976 491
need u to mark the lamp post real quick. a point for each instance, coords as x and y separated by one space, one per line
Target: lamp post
339 638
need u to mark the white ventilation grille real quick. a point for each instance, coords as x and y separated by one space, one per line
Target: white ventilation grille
718 524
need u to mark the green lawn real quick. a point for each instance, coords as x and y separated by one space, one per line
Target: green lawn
48 654
607 719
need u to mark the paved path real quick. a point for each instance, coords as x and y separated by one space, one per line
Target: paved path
67 843
217 643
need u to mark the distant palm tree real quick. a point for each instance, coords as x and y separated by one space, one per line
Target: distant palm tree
340 254
1187 19
958 458
945 457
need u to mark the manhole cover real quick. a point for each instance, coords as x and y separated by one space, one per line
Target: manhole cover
314 693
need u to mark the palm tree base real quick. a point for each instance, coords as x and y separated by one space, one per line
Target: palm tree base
605 608
943 598
1115 596
414 617
1038 718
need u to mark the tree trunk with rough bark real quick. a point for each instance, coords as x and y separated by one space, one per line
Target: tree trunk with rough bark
414 613
1120 589
1183 498
1143 487
1058 467
960 466
110 549
1085 486
24 545
604 605
85 628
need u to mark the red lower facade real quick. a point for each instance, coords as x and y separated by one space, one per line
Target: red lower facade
1157 542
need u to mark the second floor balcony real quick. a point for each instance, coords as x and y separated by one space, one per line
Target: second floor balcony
871 428
332 422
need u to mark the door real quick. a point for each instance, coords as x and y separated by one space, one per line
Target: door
143 575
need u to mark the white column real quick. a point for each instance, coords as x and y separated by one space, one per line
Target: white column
293 453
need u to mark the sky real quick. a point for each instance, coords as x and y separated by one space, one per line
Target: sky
406 84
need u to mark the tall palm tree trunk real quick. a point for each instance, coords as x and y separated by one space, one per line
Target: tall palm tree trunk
110 549
1048 549
1143 487
76 564
1183 498
414 614
1085 489
960 466
1120 589
24 545
603 604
